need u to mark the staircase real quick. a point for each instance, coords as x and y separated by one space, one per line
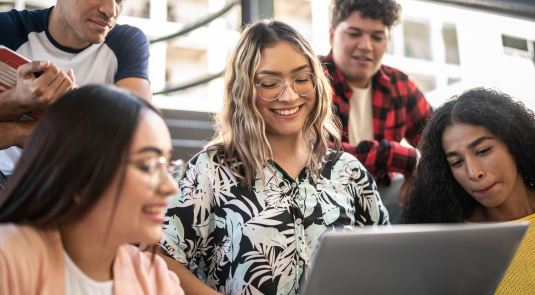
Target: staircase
190 131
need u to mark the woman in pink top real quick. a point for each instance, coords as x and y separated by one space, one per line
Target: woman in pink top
94 177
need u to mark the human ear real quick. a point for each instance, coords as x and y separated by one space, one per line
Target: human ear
331 35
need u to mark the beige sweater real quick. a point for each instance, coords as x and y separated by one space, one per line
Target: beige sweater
32 263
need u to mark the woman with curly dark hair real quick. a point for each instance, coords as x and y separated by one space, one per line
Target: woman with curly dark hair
478 164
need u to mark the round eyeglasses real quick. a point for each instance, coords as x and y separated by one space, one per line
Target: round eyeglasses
158 168
271 88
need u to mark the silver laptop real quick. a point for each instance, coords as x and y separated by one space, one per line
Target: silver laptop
410 259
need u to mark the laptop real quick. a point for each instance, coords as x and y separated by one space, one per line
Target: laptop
414 259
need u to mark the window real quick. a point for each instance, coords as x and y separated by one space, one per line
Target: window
452 80
515 43
449 33
425 83
417 39
516 46
390 47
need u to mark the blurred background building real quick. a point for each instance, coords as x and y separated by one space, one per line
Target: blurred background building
444 49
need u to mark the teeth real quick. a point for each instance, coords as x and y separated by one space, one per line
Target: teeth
287 112
154 210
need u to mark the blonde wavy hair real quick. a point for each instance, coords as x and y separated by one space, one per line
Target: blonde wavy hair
241 135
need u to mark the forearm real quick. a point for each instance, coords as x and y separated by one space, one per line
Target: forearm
10 109
14 133
403 160
382 157
138 86
188 281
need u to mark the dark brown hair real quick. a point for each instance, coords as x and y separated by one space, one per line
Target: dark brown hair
388 11
71 157
437 197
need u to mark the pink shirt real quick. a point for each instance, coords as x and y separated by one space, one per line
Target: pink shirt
32 263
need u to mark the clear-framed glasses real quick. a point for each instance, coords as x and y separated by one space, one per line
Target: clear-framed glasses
271 88
158 169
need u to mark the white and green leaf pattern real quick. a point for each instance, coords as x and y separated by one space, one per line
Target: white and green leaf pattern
261 241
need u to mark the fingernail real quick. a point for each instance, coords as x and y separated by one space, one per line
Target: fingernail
43 63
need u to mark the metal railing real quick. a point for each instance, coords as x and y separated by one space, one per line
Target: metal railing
201 23
190 85
186 30
251 10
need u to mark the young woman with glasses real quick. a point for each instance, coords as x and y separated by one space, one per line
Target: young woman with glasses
94 177
252 206
478 165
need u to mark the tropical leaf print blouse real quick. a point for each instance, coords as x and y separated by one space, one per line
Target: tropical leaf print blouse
260 241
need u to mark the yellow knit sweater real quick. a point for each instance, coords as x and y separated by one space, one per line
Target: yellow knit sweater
520 277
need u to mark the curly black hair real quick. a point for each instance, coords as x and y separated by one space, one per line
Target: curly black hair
436 196
387 11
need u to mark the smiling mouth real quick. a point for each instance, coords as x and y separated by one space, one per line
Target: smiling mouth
287 112
104 25
362 58
157 210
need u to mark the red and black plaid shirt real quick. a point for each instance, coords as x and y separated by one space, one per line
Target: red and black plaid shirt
399 111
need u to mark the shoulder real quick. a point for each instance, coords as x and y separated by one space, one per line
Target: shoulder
20 24
347 159
125 35
394 73
21 237
342 158
348 165
150 271
530 218
207 164
344 162
28 256
400 86
326 58
131 255
328 62
122 31
29 20
210 159
9 234
26 240
131 48
200 166
203 158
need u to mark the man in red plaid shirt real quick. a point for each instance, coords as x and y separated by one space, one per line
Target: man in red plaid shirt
367 93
